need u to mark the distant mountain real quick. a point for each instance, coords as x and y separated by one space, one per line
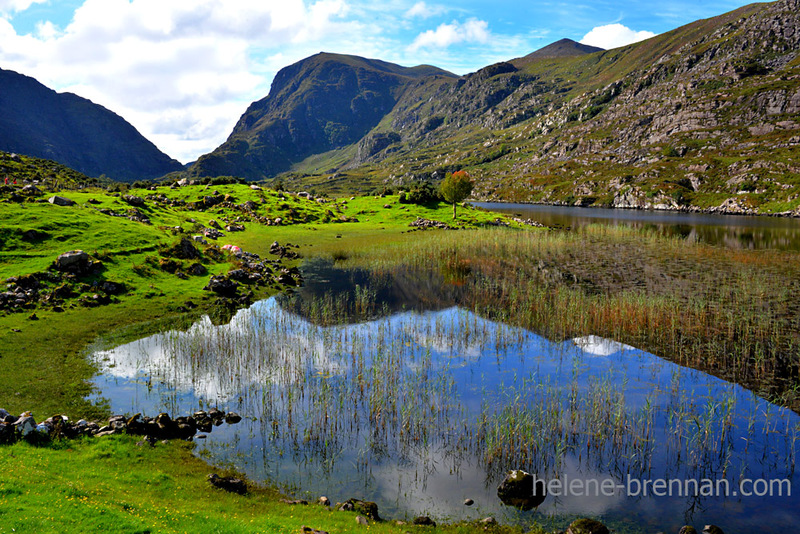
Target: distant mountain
562 48
64 127
706 116
324 102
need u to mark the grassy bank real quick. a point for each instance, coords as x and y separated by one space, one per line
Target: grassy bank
111 484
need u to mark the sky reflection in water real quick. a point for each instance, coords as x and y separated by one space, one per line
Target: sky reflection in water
418 411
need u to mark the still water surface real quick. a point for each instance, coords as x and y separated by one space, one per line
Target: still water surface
733 231
420 410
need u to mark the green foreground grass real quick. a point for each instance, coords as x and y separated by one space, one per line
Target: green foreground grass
112 485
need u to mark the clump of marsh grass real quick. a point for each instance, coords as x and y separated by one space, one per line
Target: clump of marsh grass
733 313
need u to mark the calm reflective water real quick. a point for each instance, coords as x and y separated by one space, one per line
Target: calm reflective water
733 231
420 410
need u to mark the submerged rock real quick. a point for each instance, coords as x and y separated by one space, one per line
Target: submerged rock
517 490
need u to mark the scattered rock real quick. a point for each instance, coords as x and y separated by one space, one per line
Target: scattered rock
295 502
308 530
369 509
25 425
712 529
286 279
687 529
361 520
212 233
113 288
488 521
587 526
324 501
30 190
229 484
197 269
222 286
425 224
468 502
133 200
424 521
232 418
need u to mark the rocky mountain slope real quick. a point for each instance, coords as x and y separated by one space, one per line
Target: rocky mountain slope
706 116
323 102
37 121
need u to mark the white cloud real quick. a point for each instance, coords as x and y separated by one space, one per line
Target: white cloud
13 6
472 31
423 10
181 71
614 35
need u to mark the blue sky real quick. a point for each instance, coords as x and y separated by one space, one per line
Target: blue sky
183 71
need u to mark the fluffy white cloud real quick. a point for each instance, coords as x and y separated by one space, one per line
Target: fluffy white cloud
11 6
472 31
423 10
613 36
181 71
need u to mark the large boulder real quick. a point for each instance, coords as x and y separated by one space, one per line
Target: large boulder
519 490
60 201
74 261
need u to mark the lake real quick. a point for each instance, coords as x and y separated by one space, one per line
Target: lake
420 409
733 231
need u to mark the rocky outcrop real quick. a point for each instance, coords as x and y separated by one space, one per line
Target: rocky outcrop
323 102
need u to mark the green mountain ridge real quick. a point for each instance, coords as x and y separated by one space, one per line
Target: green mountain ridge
39 122
701 117
318 104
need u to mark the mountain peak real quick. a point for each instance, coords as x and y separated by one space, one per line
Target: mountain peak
561 48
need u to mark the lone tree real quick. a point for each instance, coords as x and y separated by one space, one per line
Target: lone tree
455 188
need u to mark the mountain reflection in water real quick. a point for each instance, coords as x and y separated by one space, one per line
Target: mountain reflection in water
418 410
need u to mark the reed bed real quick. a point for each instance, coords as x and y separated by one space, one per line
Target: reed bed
734 313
